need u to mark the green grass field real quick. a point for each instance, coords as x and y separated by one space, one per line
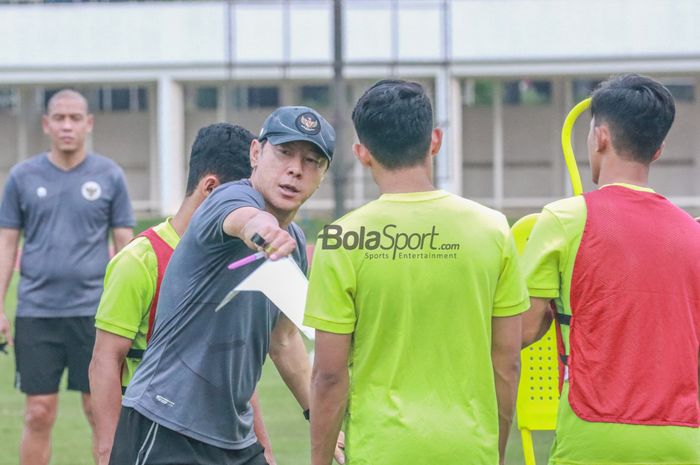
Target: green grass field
71 438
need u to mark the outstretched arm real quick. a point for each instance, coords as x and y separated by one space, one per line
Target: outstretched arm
245 222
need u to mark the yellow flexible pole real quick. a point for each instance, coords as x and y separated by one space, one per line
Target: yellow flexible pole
567 147
528 447
521 232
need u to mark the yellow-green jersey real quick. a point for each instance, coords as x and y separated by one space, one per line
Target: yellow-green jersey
129 288
417 278
548 264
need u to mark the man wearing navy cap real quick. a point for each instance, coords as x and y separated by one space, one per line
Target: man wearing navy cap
189 401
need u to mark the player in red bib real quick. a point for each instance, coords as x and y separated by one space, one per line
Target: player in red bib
622 267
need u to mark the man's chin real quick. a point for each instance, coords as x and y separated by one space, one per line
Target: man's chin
68 149
288 205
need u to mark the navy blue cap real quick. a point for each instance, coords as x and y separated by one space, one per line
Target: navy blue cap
290 124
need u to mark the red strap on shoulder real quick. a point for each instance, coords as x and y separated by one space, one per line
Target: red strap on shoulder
163 253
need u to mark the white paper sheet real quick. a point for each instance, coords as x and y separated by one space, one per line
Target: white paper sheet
284 284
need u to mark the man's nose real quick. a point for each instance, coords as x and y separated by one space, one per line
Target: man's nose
295 166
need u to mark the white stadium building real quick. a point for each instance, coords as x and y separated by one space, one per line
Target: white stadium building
503 75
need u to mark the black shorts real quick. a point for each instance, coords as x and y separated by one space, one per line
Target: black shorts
139 441
44 347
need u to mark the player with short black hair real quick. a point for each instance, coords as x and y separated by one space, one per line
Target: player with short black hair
220 149
426 310
394 119
621 264
638 111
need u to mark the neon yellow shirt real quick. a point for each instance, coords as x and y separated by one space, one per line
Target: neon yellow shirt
419 298
129 287
548 263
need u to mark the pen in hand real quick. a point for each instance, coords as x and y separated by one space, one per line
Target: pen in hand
246 260
258 240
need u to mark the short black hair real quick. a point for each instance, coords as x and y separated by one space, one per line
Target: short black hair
394 120
639 112
221 149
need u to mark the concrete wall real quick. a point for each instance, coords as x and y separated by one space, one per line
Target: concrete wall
477 150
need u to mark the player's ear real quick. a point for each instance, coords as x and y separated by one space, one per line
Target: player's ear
362 154
658 152
603 138
255 151
436 141
90 122
208 183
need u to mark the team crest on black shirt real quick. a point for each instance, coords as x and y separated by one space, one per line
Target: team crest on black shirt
91 190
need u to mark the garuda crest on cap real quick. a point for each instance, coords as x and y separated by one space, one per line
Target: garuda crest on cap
308 123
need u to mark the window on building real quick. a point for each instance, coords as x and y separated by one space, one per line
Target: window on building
315 95
263 97
683 92
582 88
142 96
478 92
251 97
207 98
527 92
8 100
118 99
104 99
483 92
